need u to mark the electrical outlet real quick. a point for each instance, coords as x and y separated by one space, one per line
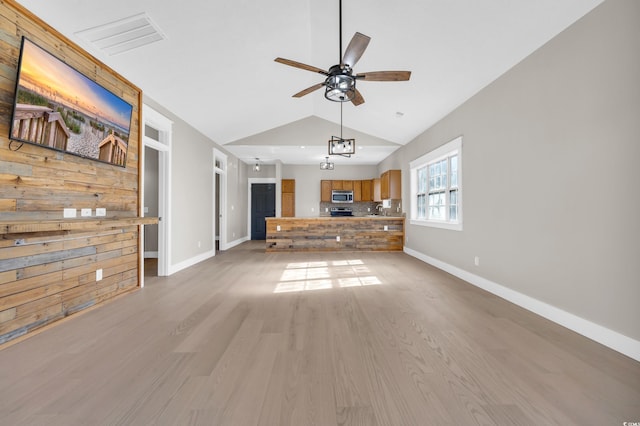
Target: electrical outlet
98 274
85 212
69 213
476 261
386 227
338 238
278 228
199 244
101 212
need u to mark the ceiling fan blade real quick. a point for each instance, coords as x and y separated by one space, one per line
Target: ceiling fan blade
301 65
355 49
357 99
308 90
385 75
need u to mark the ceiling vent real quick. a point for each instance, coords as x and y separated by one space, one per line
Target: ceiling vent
123 35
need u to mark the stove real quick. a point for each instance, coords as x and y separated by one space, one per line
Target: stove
341 211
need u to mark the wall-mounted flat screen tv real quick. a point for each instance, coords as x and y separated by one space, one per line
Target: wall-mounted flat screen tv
60 108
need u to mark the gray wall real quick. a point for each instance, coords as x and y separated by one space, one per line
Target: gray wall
151 198
192 191
550 173
236 200
308 183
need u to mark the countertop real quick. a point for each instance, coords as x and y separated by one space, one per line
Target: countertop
374 217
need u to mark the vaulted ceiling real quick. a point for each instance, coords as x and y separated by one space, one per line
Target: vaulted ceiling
215 67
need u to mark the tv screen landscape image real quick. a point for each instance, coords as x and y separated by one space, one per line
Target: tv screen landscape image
60 108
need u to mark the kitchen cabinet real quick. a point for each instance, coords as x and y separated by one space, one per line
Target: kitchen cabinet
366 190
357 190
347 185
288 198
391 185
325 191
375 190
336 184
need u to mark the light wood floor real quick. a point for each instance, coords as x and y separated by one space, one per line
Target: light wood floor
249 338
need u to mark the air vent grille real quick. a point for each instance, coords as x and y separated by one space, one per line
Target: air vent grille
123 35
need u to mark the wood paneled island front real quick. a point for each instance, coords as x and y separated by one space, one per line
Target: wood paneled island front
377 233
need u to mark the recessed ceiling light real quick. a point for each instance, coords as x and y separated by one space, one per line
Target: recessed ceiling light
302 146
399 114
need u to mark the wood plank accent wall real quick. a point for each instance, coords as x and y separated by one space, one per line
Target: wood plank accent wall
48 274
319 234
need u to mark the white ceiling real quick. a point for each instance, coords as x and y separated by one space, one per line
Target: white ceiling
215 69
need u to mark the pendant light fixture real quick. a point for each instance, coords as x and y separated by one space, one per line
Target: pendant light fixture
326 165
340 145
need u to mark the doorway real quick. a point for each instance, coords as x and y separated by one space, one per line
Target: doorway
156 194
151 194
219 201
263 204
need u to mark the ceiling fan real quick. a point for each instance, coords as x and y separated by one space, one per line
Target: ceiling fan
340 82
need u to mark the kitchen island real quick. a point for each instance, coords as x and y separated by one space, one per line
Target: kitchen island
369 233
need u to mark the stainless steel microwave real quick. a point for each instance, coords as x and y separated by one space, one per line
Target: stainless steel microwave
341 196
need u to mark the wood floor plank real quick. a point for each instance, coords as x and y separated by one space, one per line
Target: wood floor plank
257 338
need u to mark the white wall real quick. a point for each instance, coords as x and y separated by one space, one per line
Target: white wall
550 173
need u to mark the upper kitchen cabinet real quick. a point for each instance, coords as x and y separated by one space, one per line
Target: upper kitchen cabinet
325 191
391 185
367 190
375 190
288 198
357 190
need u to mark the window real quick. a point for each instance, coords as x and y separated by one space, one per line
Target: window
436 187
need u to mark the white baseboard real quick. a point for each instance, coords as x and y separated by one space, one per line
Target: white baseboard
190 262
239 241
150 254
612 339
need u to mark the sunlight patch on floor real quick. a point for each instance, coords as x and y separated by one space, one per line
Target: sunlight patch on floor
309 276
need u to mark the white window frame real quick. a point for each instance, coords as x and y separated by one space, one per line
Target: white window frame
447 150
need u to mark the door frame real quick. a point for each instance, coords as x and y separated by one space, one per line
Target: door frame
164 126
222 172
251 181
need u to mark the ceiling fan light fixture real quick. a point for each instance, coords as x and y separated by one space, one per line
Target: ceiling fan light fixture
340 88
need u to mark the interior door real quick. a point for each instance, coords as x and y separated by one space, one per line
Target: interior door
263 204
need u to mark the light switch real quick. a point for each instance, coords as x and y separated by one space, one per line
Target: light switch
85 212
69 213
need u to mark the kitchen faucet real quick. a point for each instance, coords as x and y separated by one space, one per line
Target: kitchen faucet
380 207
